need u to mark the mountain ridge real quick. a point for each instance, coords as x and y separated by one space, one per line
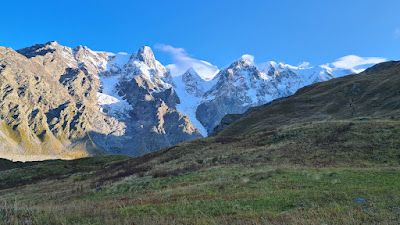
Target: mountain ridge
131 104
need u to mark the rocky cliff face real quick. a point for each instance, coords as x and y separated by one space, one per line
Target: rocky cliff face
56 104
46 111
153 121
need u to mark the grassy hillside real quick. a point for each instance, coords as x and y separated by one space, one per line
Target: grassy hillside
330 154
218 195
7 164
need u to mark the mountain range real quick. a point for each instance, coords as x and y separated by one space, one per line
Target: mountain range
62 102
327 154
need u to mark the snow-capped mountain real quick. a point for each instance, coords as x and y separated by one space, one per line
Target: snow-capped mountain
244 84
104 103
129 103
234 89
147 104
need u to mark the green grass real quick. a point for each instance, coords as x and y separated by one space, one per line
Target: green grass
7 164
56 169
221 195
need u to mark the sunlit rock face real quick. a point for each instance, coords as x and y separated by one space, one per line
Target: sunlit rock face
59 102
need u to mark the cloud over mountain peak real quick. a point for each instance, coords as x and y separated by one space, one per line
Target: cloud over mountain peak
182 62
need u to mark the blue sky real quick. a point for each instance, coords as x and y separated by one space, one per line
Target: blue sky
218 31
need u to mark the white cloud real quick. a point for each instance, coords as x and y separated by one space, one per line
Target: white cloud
356 63
182 62
248 58
397 33
304 65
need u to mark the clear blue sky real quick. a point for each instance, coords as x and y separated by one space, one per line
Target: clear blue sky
218 31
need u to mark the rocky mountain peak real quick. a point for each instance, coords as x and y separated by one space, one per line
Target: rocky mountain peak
243 68
39 49
143 62
191 75
191 71
52 43
243 62
146 55
93 62
194 84
78 48
275 70
282 65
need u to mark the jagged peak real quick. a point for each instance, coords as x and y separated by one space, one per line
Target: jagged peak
244 66
41 49
145 49
191 71
272 68
49 44
87 50
78 48
52 43
244 61
145 53
266 66
191 74
145 56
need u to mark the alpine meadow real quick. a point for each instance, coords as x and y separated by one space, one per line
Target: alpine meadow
293 119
